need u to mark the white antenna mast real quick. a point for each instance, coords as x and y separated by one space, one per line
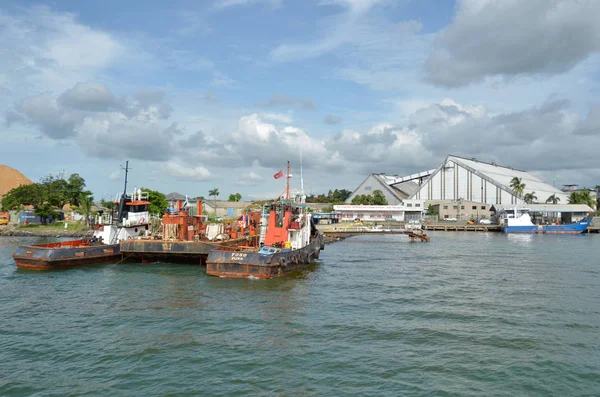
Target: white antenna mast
301 175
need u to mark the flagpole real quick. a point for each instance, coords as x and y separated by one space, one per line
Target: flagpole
287 188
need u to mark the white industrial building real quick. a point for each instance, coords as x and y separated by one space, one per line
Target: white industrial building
459 179
408 210
473 180
394 188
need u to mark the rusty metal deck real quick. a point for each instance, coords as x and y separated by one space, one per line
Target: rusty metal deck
173 251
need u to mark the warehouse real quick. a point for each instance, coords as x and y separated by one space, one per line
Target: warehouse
458 178
394 188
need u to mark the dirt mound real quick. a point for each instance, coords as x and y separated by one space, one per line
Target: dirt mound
10 179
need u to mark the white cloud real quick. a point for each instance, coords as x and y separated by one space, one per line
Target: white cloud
276 117
182 173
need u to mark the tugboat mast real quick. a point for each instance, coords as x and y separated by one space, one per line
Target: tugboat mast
124 195
287 188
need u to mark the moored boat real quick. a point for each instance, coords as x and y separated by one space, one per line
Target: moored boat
517 220
131 218
289 240
66 254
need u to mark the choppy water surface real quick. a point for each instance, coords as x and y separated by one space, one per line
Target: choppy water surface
468 314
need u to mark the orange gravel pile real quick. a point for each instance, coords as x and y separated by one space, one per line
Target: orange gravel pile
10 179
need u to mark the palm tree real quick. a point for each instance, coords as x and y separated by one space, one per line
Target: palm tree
517 186
214 193
529 198
553 199
85 207
582 197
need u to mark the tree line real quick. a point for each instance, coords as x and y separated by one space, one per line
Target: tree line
49 195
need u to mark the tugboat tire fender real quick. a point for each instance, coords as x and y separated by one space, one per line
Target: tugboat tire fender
282 262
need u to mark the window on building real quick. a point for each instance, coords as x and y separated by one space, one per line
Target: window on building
409 205
455 207
462 207
445 207
368 188
445 216
417 204
483 207
474 207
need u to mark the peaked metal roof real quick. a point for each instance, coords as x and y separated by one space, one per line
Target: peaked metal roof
502 175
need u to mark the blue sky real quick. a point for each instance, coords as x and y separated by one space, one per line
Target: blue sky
220 94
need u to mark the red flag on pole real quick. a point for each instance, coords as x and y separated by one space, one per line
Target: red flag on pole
278 175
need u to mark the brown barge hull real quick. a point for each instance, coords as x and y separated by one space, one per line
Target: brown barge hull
47 258
174 251
240 264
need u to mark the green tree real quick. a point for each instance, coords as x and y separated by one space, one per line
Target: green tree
85 207
366 199
158 202
582 197
329 208
23 195
431 210
108 204
553 199
200 198
55 190
235 197
362 199
517 186
214 193
45 211
529 198
75 189
379 198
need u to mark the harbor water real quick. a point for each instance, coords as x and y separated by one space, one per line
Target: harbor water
469 314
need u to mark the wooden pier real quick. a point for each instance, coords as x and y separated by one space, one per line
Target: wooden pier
462 227
413 235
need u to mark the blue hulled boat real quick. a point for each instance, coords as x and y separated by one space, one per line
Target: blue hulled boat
518 221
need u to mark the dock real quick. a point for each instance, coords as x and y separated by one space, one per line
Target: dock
462 227
413 235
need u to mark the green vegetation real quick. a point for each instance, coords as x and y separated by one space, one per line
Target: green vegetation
582 197
48 196
158 202
517 186
333 196
85 207
376 199
553 199
431 210
214 192
530 198
235 197
108 204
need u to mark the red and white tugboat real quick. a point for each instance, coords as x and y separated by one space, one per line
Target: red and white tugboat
289 242
130 219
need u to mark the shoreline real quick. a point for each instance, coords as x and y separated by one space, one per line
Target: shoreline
16 232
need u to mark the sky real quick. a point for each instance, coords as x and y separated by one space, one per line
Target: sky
201 95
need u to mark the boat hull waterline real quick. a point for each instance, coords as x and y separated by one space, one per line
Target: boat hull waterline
65 255
244 264
572 228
